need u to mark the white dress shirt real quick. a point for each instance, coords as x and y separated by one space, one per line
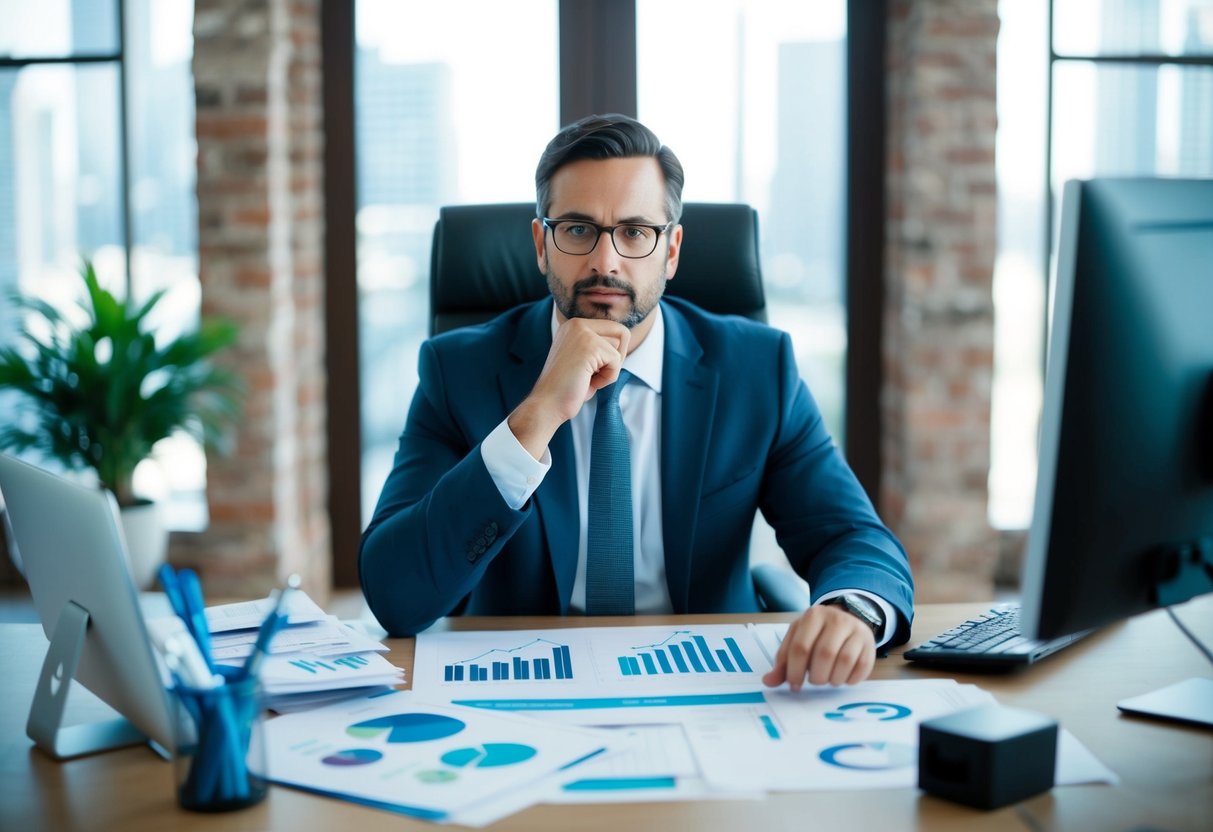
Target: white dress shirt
517 474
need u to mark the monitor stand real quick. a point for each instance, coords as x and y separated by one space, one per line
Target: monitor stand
1188 701
1181 572
45 726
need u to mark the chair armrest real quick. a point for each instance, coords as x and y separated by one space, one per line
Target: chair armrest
778 589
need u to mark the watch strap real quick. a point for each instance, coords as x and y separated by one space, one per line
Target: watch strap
865 609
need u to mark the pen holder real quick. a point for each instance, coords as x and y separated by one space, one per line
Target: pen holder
219 764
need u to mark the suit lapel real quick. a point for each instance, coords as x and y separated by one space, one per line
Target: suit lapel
556 497
687 409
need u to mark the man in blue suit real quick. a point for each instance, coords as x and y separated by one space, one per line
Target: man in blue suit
488 507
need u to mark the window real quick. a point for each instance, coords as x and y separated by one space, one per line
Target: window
76 180
1131 85
751 96
447 116
446 113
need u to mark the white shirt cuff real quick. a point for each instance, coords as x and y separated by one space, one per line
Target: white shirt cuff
890 614
514 471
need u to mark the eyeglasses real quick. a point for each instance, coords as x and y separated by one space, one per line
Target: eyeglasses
631 240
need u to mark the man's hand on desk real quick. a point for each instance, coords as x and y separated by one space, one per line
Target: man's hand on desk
826 644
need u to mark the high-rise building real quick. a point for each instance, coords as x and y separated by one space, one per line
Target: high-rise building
405 133
8 192
1126 114
164 207
98 185
804 237
1196 98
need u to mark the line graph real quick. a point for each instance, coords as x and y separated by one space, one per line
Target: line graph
684 651
537 660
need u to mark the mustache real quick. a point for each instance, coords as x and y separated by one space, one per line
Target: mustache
603 282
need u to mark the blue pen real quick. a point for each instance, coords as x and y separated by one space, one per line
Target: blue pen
191 594
269 628
172 591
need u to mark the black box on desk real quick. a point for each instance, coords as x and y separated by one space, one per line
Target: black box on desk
987 756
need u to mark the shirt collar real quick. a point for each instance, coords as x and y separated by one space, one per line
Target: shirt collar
647 361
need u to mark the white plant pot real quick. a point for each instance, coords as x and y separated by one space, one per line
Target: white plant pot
146 542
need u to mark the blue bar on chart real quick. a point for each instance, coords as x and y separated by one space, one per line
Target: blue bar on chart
353 662
513 668
688 656
769 726
312 666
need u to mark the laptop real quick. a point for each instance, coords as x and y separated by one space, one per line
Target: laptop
69 541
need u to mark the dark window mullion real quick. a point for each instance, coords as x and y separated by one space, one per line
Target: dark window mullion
864 292
124 150
1143 59
21 63
597 58
344 397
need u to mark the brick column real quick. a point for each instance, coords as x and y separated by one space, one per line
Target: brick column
257 71
939 315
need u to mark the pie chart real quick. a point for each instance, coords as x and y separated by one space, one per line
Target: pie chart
868 712
416 727
869 756
489 755
353 757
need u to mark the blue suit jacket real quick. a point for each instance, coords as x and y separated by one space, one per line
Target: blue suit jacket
739 433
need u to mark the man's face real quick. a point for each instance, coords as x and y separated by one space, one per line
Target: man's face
604 284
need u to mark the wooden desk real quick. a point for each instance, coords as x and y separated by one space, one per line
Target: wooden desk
1166 769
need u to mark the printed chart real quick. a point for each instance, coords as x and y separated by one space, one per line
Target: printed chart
537 659
396 750
869 756
353 662
684 651
353 757
858 737
409 727
868 712
489 755
589 662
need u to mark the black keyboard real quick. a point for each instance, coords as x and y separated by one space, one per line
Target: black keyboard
990 640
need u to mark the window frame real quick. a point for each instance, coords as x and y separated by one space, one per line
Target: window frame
1146 59
117 57
598 74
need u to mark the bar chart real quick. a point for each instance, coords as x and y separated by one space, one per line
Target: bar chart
684 651
352 662
537 660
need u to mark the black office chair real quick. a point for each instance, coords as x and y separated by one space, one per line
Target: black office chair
483 263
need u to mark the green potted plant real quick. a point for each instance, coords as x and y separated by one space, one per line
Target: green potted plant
101 393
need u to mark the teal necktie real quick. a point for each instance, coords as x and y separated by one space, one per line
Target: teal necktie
609 583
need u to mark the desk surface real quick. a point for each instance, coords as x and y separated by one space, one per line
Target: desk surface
1166 769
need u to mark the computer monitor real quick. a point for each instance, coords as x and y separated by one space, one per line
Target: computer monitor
1123 517
73 554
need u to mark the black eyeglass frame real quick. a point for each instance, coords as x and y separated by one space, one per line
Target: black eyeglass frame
550 224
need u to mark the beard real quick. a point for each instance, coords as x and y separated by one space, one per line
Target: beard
571 305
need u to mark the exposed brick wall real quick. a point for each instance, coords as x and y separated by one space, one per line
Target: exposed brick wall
939 313
257 74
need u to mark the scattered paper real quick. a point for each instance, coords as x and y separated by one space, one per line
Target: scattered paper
248 615
429 760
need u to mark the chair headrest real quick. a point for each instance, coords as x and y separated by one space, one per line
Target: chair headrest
483 262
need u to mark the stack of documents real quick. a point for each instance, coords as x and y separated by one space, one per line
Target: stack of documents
314 659
701 722
499 720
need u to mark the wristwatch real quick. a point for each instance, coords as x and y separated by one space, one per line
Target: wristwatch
863 608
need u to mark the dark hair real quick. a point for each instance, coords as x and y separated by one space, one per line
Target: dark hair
610 136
